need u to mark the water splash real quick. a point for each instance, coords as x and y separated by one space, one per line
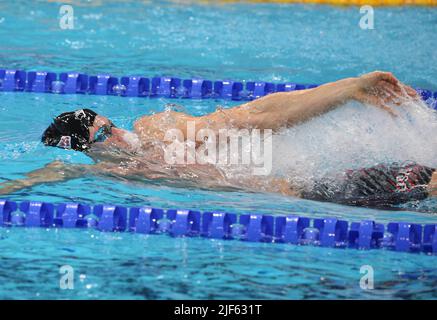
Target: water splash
356 136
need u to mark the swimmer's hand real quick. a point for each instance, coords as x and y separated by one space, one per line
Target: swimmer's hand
52 172
10 187
382 90
58 171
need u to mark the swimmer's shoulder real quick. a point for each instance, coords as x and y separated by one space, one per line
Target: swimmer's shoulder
162 119
154 126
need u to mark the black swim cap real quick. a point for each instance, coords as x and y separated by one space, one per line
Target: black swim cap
70 130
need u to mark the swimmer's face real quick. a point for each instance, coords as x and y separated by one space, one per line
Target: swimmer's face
104 132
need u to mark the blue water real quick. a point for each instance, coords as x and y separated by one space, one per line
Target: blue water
309 44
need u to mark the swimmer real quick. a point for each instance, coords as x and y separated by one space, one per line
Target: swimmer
138 155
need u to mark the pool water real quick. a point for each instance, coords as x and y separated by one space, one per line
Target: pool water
308 44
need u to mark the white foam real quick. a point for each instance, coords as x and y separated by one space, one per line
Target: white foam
356 136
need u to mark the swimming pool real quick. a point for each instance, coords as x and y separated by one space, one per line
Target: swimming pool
238 41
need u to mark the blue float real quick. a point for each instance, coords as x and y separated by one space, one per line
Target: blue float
310 86
136 86
406 236
286 87
74 82
256 90
102 84
311 236
257 227
197 88
184 222
165 87
12 80
430 238
217 225
366 234
71 215
111 218
6 207
333 232
144 219
228 90
40 81
290 229
37 214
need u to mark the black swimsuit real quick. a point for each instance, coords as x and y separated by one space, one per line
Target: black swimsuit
380 186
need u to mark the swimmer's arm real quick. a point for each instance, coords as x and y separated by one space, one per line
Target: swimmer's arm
285 109
432 186
55 171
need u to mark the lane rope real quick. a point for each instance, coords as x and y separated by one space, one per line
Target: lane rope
328 232
139 86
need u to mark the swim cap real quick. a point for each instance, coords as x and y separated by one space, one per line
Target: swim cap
70 130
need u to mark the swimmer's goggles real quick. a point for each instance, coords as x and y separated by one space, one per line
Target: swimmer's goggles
103 133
